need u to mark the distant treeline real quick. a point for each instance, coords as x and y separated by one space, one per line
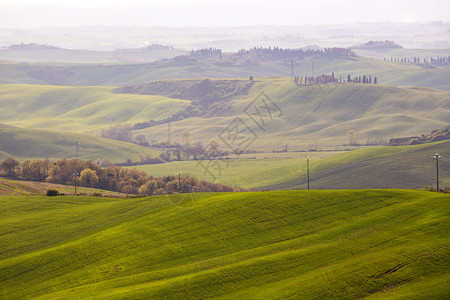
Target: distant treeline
440 61
268 54
324 79
363 79
32 46
435 136
277 53
112 178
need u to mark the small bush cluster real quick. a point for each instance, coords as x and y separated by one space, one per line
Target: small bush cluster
52 192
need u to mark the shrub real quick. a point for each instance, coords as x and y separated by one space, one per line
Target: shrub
160 192
97 194
52 192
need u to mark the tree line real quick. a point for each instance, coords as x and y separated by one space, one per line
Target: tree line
277 53
325 78
112 178
439 61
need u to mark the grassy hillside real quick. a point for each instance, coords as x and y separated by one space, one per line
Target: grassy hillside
374 167
27 188
324 114
380 167
79 109
29 143
125 74
290 244
320 114
228 172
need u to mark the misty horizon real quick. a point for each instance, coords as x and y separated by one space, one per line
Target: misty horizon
207 14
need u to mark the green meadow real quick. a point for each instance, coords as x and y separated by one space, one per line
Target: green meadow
372 167
377 244
31 144
379 167
79 109
228 172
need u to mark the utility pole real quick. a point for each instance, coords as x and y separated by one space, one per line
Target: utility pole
307 170
179 181
77 147
75 174
436 156
292 69
169 134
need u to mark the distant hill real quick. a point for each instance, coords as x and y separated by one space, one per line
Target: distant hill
434 136
29 143
386 244
47 53
256 62
378 45
32 46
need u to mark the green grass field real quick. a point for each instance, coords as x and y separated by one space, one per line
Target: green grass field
268 245
79 109
30 144
379 167
228 172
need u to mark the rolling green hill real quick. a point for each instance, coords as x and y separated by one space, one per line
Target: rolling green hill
29 143
322 114
387 72
233 172
292 244
79 109
379 167
374 167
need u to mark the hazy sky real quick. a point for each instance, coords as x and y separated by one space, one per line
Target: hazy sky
210 13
